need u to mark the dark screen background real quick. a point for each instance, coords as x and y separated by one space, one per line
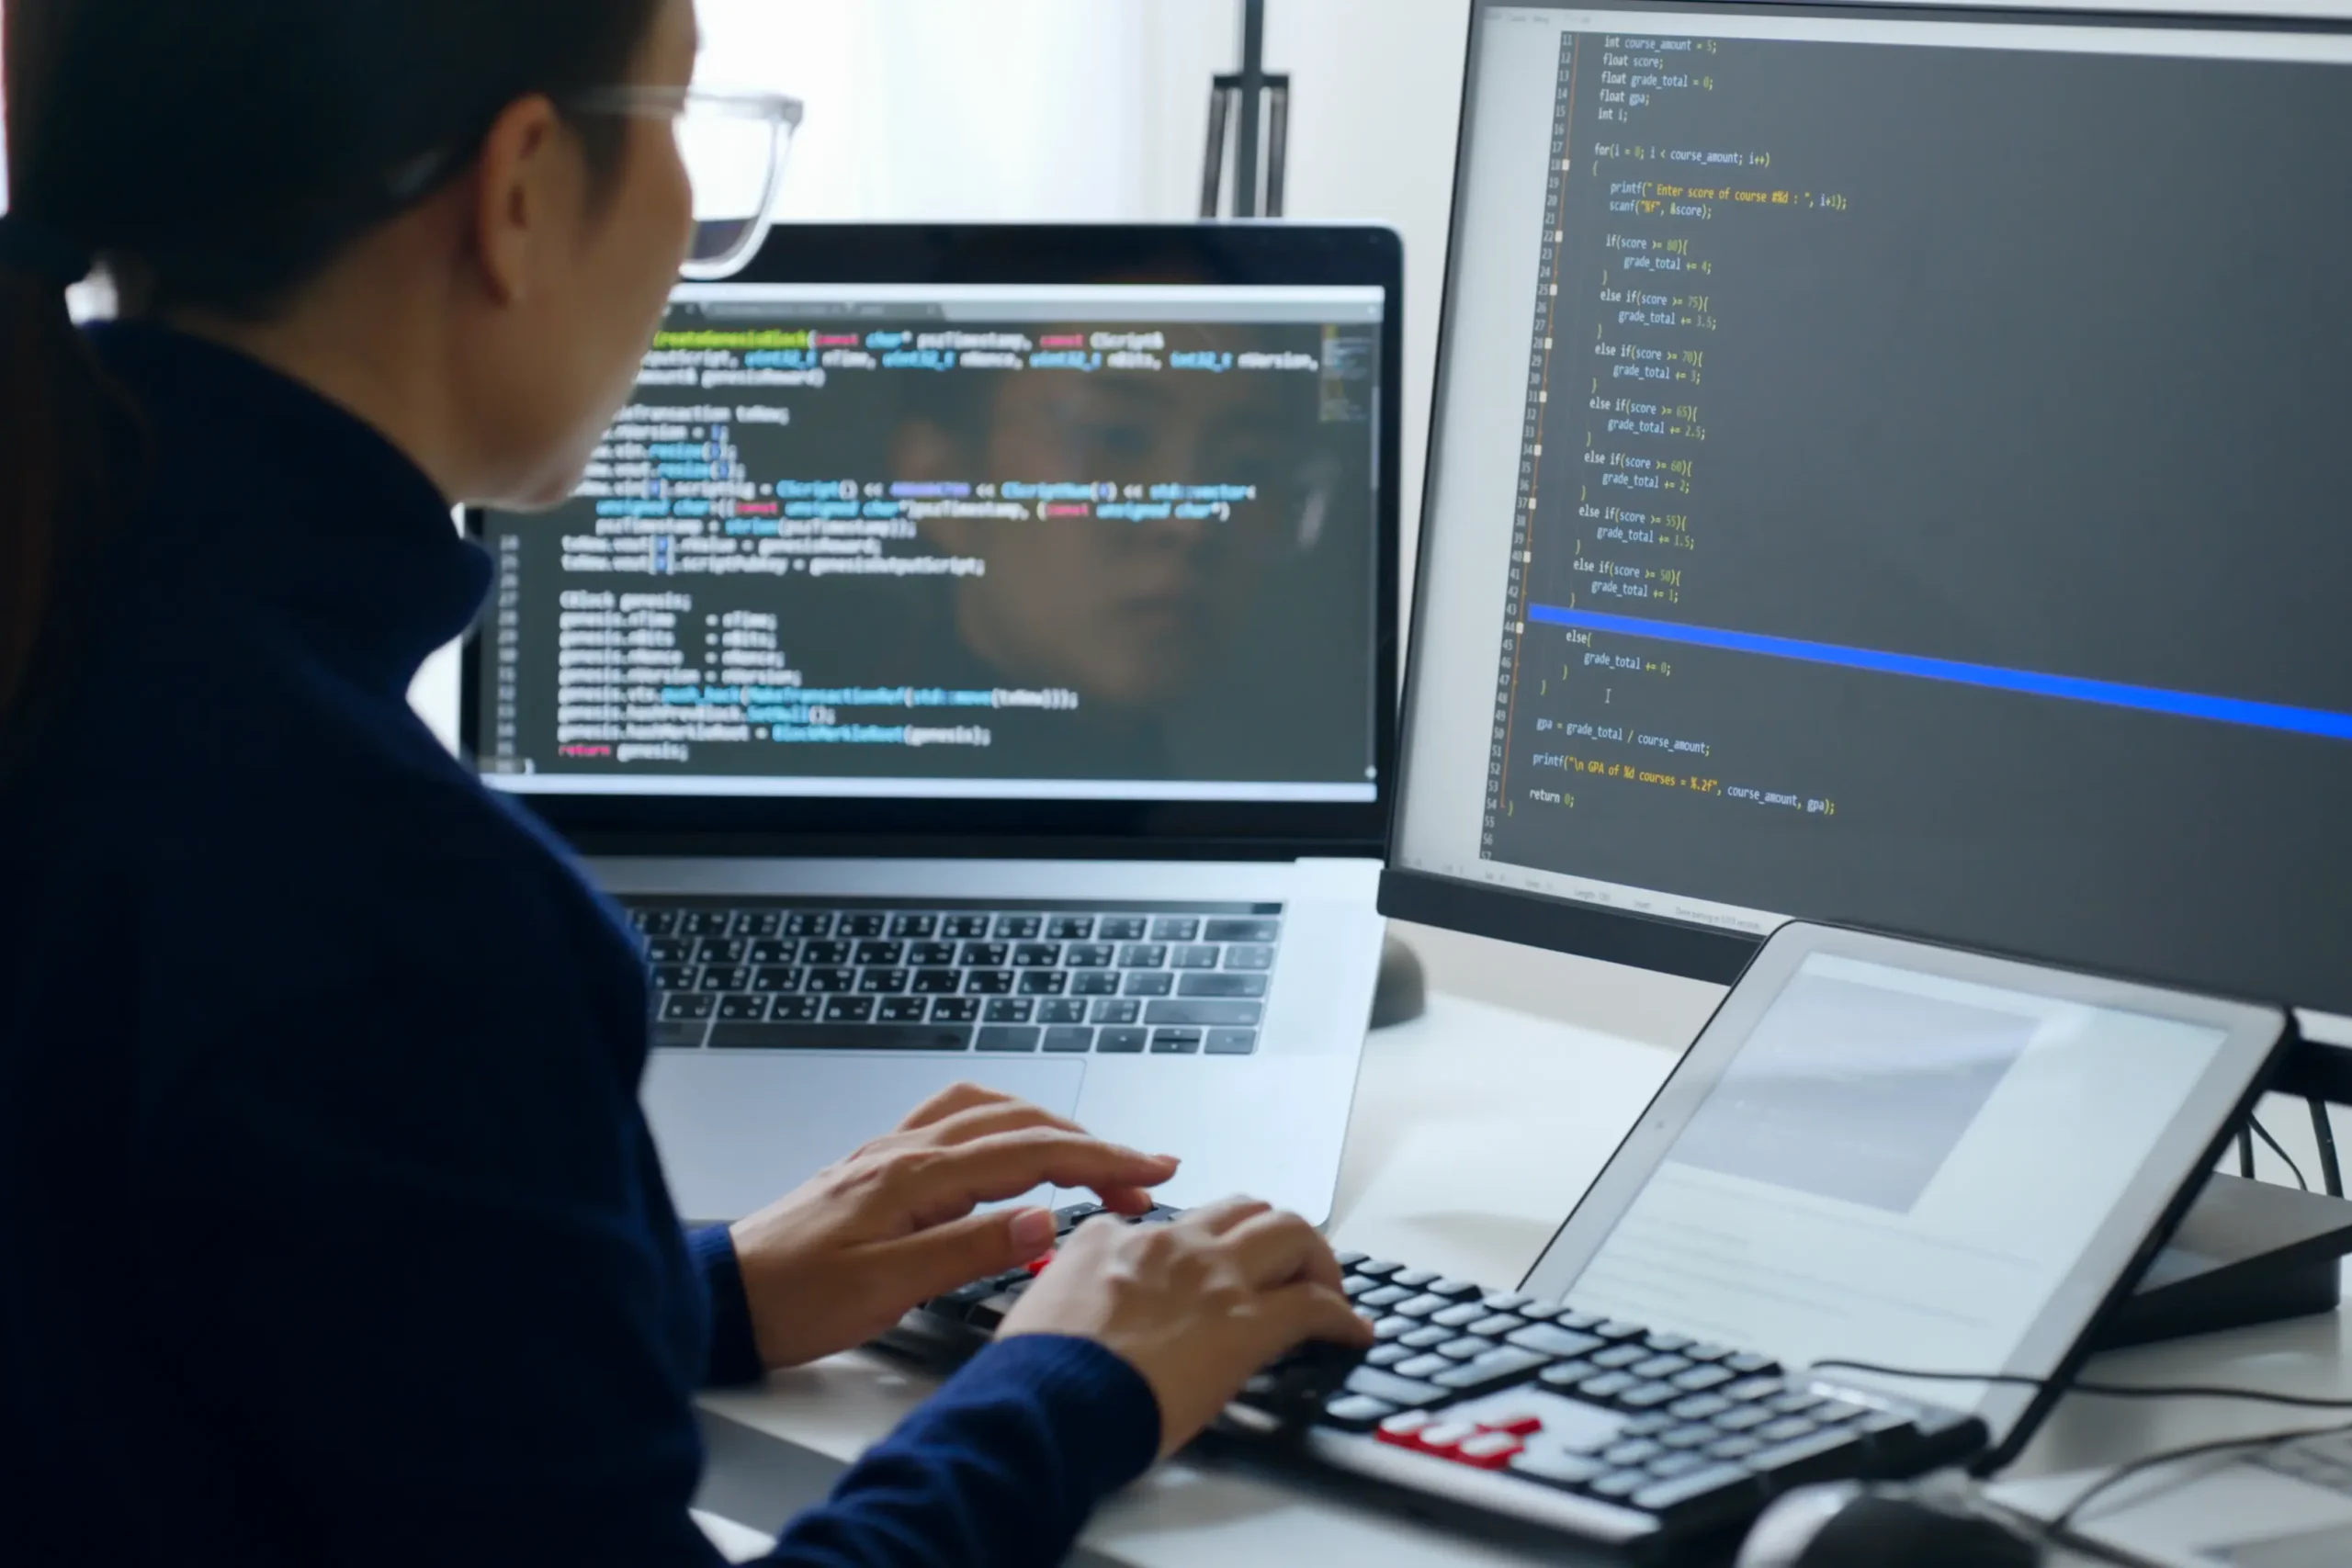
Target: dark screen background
2039 361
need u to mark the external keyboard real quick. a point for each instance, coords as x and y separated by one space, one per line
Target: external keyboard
1491 1402
1160 979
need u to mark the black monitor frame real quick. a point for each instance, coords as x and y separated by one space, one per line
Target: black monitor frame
1718 956
1213 253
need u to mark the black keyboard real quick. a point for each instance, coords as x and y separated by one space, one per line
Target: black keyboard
1162 980
1493 1402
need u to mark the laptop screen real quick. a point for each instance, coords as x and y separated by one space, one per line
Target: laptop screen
1069 542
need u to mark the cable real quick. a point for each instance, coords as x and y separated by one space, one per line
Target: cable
2064 1520
2102 1390
2331 1174
2245 1154
2264 1134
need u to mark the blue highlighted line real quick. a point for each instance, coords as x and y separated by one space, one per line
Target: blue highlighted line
2069 688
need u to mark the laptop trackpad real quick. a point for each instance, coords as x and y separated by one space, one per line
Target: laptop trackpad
739 1129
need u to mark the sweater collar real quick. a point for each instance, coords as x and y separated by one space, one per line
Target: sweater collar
311 509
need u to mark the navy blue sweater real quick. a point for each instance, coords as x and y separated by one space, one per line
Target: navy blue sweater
330 1231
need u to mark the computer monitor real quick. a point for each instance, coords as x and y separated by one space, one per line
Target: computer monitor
952 534
1888 466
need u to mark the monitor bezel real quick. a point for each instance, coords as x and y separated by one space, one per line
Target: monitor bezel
1228 252
1717 955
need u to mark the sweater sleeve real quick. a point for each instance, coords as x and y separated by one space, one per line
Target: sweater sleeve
734 1356
1000 1469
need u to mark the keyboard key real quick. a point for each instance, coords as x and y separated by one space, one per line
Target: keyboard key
1087 955
1786 1430
1174 928
1380 1269
1116 1009
705 923
1203 1014
1467 1347
955 1009
1605 1387
1000 1038
1703 1377
1094 983
1018 928
902 1010
956 928
931 954
1656 1424
1194 958
1493 1369
669 950
1455 1290
883 952
1143 956
1381 1296
775 977
808 922
913 925
1175 1041
1070 1038
1147 982
984 955
1637 1451
689 1005
1406 1394
1069 927
1120 1042
1649 1395
831 980
988 982
1356 1412
1241 930
1036 955
1734 1448
1821 1454
881 982
1258 958
1617 1328
1417 1278
796 1009
1393 1327
1582 1321
1009 1010
1666 1342
674 977
1062 1010
741 1007
1422 1306
1543 1462
1232 1042
865 922
1496 1325
1551 1340
828 952
654 923
1487 1450
1748 1363
1567 1374
1748 1390
936 982
726 977
1461 1314
1387 1354
820 1036
1425 1367
1043 982
1700 1407
1669 1465
1701 1482
1690 1435
1221 984
1120 928
1741 1418
848 1009
1659 1366
1796 1401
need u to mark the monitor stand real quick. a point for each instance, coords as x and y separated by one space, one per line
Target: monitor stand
2247 1252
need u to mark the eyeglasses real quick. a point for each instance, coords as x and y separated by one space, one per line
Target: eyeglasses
734 145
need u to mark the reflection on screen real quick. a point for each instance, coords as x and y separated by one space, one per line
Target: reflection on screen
1897 1168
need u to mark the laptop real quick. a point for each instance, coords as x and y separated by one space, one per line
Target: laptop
1881 1157
970 656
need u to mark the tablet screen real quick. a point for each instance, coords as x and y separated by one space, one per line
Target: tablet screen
1902 1167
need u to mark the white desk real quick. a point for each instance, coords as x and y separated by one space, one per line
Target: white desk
1476 1129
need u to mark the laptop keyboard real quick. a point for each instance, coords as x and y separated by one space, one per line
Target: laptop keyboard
1112 979
1571 1402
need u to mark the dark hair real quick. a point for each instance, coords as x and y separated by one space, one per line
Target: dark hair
216 154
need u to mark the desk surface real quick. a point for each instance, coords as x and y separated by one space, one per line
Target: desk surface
1476 1129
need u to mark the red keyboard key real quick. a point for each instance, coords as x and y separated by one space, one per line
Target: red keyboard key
1518 1423
1487 1450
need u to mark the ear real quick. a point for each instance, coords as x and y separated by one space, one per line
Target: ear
525 180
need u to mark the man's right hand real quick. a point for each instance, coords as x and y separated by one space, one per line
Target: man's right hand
1196 1305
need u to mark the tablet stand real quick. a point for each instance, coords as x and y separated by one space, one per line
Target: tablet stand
2247 1252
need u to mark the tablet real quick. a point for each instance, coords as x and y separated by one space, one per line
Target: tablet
1885 1151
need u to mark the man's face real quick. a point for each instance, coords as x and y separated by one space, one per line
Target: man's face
1127 614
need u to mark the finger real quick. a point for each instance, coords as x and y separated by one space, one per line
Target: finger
1005 1115
1006 1165
1127 1201
1277 1247
912 1269
949 1101
1304 1311
1222 1215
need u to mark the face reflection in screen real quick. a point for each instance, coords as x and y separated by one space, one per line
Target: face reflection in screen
1129 615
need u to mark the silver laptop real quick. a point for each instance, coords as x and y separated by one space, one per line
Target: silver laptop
970 656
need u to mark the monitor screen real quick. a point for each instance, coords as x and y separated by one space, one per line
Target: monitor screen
1888 469
980 541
